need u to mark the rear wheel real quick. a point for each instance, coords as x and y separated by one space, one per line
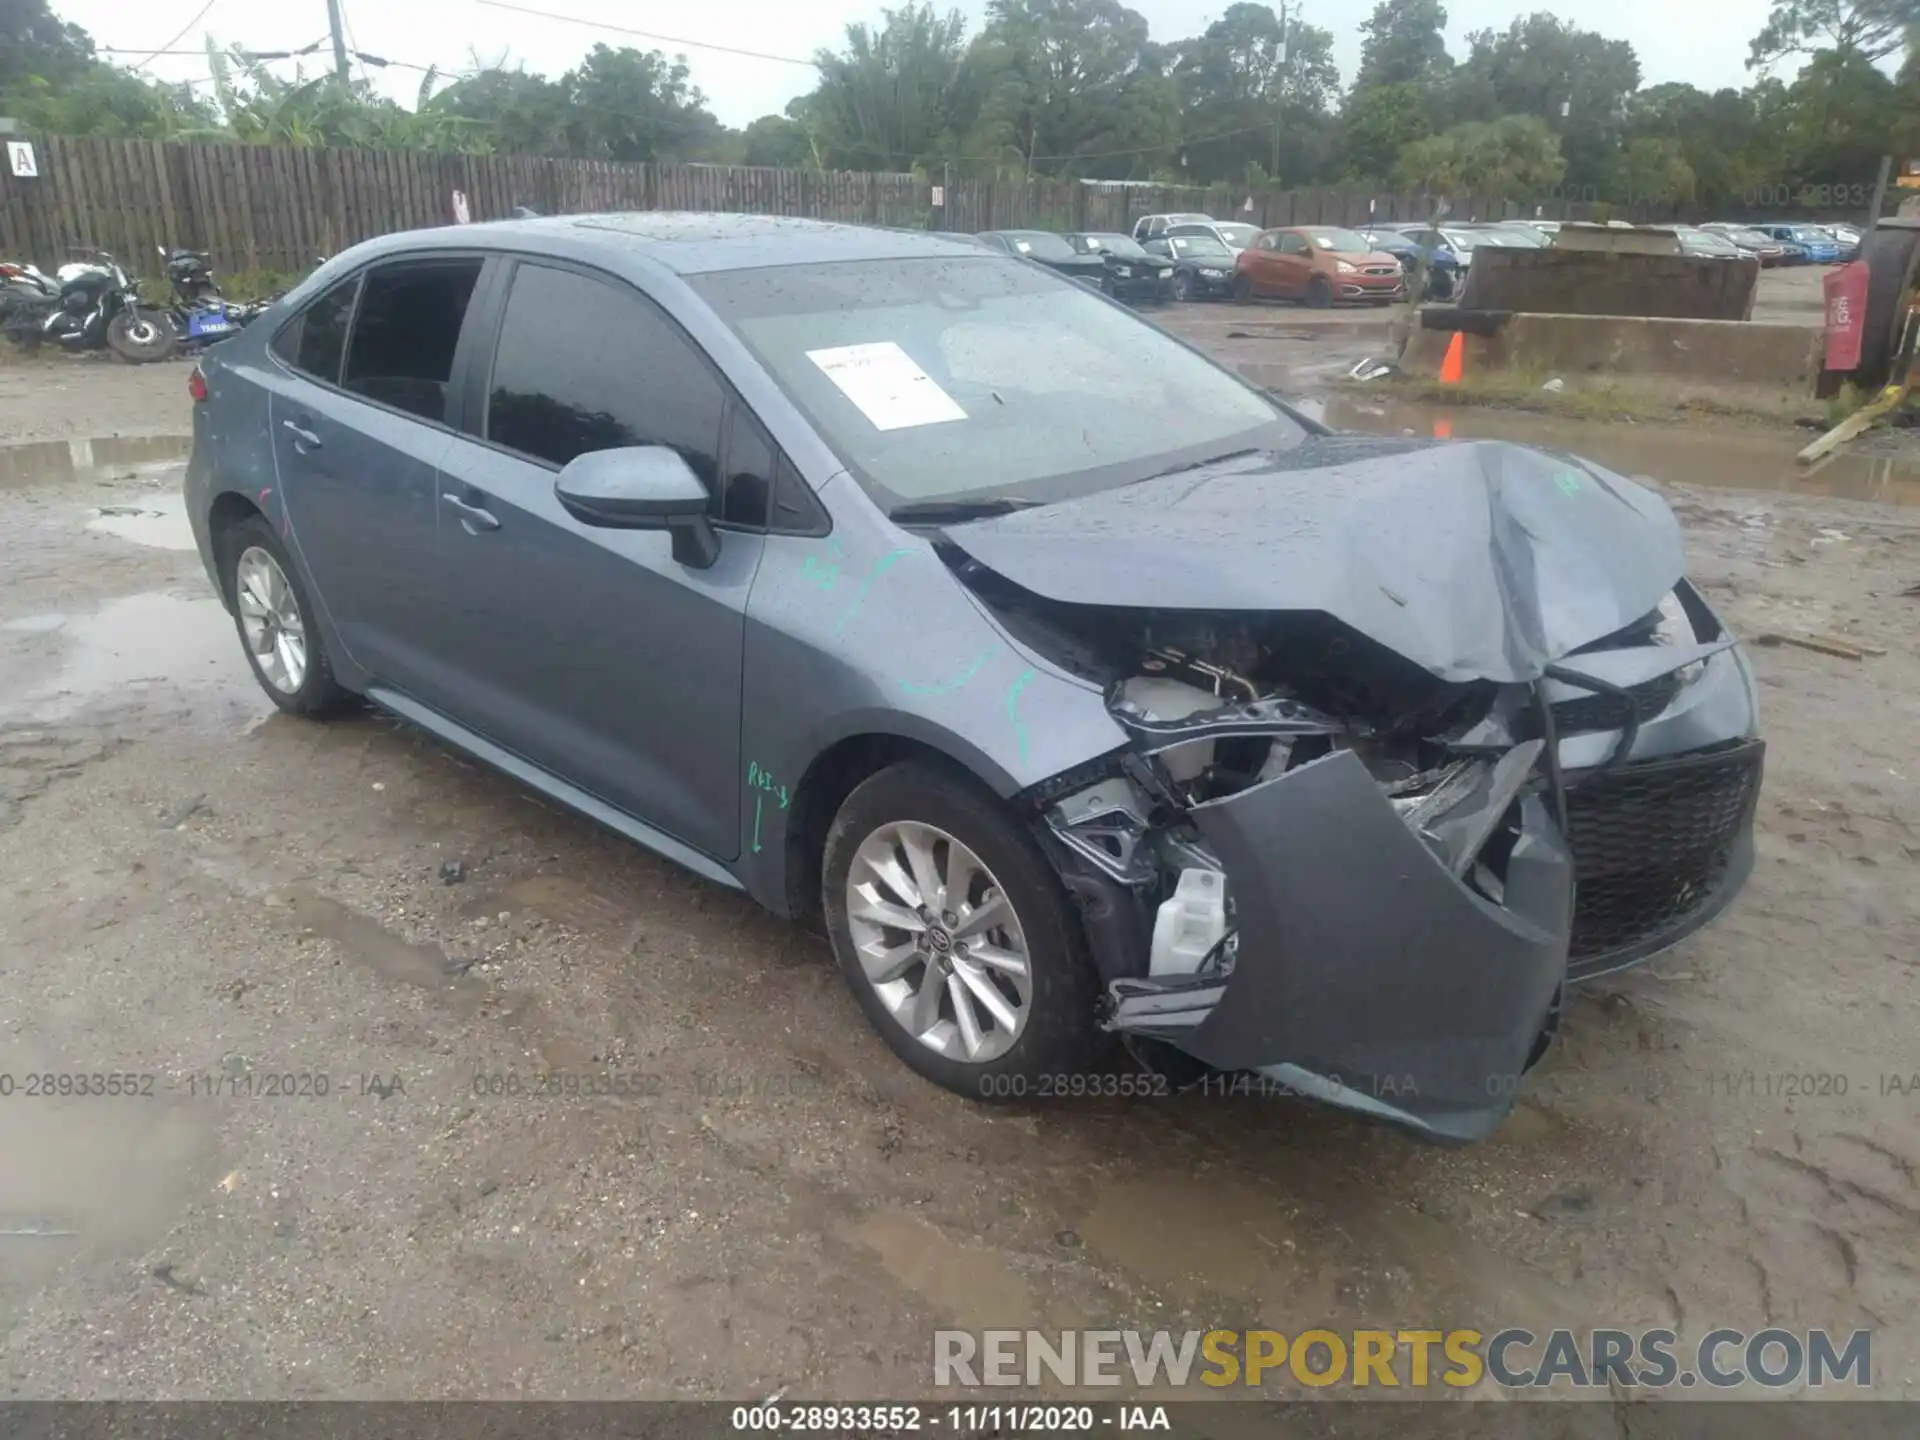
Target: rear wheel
956 936
276 622
139 336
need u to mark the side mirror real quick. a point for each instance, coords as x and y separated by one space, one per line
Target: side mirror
641 487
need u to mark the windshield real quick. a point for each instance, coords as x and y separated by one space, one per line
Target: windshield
1811 232
1512 239
1118 246
1199 247
1238 235
1039 245
1340 242
1746 237
1460 240
933 379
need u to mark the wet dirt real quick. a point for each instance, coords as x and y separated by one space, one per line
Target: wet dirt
1711 451
574 1123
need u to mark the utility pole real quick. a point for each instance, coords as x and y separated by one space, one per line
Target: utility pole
339 43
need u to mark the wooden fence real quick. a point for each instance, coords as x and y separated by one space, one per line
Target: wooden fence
262 208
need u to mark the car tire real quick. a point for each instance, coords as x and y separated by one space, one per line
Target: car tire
1319 293
1242 290
889 967
1182 286
1891 256
269 606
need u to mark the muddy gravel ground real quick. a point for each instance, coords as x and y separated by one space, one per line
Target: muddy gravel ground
301 943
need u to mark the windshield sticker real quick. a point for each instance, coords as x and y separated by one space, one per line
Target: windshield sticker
890 390
1025 247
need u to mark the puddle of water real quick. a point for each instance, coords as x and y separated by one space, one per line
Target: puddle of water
160 522
968 1282
51 462
1712 453
138 640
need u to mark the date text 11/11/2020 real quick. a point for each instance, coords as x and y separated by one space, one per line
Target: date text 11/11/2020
892 1419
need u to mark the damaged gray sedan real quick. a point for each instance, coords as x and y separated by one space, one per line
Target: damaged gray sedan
1081 690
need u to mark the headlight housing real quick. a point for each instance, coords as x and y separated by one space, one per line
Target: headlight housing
1345 267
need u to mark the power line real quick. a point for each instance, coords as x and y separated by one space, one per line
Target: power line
646 34
198 15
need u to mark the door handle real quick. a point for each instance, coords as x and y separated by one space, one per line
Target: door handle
303 439
472 517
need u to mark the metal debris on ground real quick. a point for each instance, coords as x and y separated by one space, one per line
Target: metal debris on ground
1554 386
1820 644
1372 368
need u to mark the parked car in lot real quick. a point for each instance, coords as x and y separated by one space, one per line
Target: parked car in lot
1815 246
1442 268
1079 688
1043 247
1202 265
1763 247
1848 237
1236 235
1707 244
1132 274
1318 265
1148 227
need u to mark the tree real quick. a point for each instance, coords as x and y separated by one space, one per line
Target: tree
1512 158
898 95
1868 29
1378 124
777 140
1074 86
522 114
1542 66
36 42
1266 97
1715 136
637 105
1649 171
1404 44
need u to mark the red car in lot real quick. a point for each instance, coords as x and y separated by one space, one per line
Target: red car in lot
1318 265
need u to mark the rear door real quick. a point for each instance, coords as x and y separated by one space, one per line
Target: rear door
591 651
361 411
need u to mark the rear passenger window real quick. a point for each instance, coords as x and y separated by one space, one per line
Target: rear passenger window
406 332
585 365
317 338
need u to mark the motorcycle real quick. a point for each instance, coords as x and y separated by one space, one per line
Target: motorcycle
92 304
200 314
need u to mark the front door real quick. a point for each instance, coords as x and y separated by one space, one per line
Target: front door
590 651
359 422
1293 265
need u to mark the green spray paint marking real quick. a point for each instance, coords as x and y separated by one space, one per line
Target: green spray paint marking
943 687
763 785
824 573
1013 711
880 567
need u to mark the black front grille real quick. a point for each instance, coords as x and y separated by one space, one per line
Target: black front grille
1651 846
1603 711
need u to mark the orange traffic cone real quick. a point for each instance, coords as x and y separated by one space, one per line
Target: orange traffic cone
1456 359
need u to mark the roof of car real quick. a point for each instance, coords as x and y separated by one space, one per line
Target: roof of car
692 243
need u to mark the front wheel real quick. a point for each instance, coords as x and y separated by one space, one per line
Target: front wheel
956 936
1242 290
139 337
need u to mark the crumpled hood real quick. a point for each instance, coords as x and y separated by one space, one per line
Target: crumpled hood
1476 560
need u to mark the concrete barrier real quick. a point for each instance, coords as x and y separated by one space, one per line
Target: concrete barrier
1702 356
1599 282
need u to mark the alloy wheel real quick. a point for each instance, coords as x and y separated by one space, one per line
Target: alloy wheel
270 620
939 942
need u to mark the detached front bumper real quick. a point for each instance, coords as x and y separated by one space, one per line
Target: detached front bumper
1367 975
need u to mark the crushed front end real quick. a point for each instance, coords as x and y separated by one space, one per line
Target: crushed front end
1316 861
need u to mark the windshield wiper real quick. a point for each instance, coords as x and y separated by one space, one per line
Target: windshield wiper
1202 464
948 512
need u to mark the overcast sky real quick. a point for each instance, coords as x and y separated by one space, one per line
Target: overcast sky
1705 44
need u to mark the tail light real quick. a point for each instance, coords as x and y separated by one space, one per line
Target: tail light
197 386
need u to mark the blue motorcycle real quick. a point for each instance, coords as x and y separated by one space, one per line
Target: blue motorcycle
201 315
